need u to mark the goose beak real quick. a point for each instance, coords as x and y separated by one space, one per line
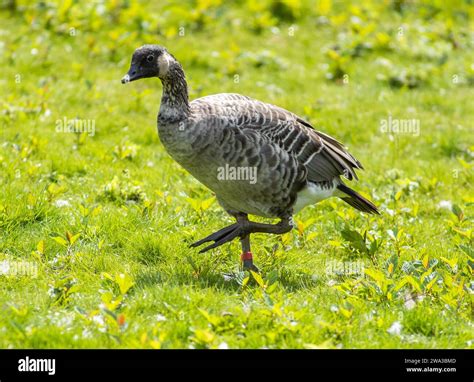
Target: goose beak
125 79
133 74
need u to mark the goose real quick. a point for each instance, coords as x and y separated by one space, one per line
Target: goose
294 165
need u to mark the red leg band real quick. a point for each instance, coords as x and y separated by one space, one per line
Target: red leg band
246 256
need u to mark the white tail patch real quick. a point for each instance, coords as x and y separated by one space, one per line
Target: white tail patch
311 194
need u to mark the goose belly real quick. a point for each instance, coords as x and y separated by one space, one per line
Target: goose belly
242 195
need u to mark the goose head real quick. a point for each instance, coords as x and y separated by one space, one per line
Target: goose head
149 61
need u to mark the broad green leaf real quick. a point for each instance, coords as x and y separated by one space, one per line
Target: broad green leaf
124 281
40 247
60 240
345 312
335 243
268 300
456 210
355 239
207 203
431 283
258 279
425 261
204 336
72 238
272 277
451 262
390 268
96 211
107 276
408 280
376 275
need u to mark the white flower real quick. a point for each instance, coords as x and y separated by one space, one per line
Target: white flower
395 329
447 204
99 320
62 203
410 303
384 62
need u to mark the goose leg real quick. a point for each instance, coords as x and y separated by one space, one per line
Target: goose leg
246 257
243 228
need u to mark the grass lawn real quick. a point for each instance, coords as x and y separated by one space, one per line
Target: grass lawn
95 226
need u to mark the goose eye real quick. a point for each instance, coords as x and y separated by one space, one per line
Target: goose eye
149 58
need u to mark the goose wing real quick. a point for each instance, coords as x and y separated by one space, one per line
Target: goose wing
324 157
